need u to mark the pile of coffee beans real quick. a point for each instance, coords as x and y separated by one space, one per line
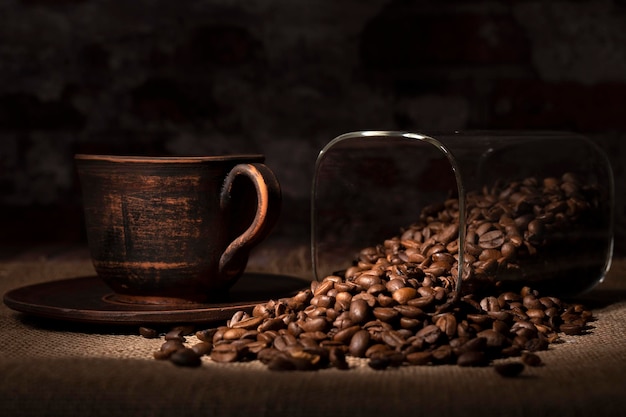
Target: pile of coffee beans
523 233
398 303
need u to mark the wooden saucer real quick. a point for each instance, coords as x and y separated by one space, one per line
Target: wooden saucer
90 300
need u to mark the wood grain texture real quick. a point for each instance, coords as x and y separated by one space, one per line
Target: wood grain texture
157 227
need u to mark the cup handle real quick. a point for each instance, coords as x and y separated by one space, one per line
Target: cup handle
234 258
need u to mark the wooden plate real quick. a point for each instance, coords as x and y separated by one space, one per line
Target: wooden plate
90 300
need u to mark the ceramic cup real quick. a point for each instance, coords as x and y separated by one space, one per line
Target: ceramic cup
169 230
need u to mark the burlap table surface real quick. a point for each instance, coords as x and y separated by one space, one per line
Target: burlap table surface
56 368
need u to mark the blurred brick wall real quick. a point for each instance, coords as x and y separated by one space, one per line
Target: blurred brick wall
284 78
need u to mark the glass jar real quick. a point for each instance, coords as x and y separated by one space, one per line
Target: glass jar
509 209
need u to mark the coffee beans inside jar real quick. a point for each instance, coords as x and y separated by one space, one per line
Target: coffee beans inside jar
553 234
398 304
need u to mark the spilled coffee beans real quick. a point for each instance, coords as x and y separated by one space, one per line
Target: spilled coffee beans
398 304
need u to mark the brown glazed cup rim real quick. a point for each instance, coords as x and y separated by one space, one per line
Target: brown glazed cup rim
169 159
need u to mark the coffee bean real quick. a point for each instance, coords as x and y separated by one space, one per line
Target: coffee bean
409 311
536 344
302 297
202 348
395 284
419 358
531 302
472 358
379 362
393 339
268 354
490 304
148 332
359 343
430 334
283 341
233 334
359 310
491 240
323 287
281 363
501 327
571 328
186 357
345 335
385 359
225 353
272 324
509 369
248 323
206 335
422 302
448 234
478 318
175 334
492 338
403 295
535 313
315 324
376 349
385 314
161 355
317 336
308 360
536 231
531 359
171 346
475 344
437 269
447 324
267 337
366 281
443 354
337 358
236 318
261 310
490 255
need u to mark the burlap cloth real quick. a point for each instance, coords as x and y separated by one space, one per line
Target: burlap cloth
56 368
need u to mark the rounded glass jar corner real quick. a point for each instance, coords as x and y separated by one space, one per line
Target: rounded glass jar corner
509 209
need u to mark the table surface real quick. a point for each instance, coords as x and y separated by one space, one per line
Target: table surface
52 367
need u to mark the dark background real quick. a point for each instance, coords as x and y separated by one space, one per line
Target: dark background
283 78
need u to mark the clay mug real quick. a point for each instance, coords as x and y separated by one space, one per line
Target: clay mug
171 230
